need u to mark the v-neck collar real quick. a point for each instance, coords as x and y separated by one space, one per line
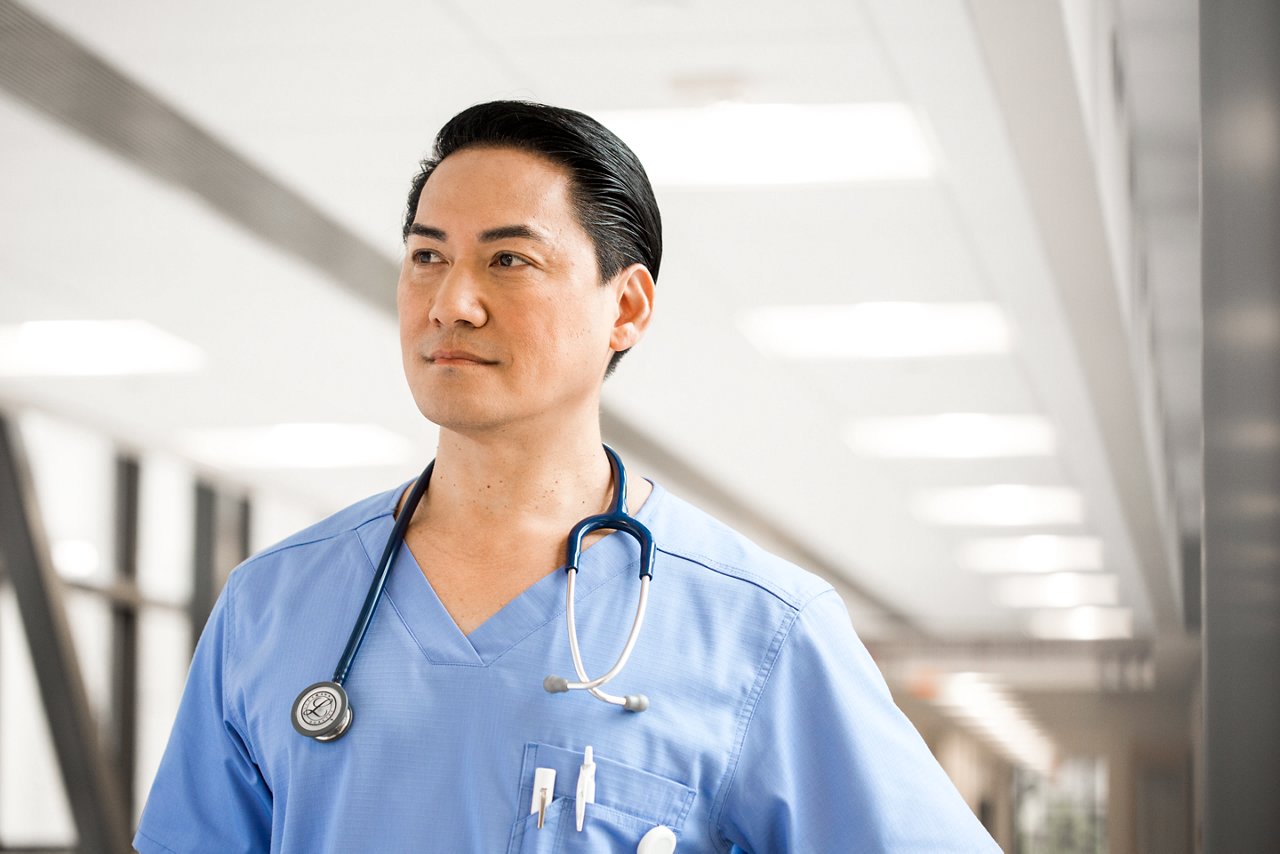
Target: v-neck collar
414 600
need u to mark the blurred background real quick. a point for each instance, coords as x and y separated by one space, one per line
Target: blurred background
930 323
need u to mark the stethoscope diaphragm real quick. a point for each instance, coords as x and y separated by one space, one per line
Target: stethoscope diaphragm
322 711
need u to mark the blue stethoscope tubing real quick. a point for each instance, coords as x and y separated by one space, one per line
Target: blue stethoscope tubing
323 711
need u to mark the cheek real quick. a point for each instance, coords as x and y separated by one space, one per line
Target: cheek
582 341
406 330
571 331
410 312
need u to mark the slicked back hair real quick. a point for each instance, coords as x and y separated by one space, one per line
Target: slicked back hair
610 192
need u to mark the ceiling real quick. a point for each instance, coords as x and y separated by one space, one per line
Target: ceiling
1058 194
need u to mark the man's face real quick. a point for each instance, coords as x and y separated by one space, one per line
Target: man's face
503 318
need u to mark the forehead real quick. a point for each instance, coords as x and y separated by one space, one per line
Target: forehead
496 183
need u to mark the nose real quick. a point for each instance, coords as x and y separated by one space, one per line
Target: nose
457 299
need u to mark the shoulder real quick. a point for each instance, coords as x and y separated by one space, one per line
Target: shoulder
337 533
344 521
302 585
704 544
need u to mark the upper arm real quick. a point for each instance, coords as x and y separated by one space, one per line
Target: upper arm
208 793
829 763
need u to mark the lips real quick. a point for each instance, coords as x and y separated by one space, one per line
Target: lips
457 357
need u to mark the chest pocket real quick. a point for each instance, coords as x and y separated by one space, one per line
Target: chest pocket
629 802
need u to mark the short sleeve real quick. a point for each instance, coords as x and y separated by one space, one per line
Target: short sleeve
208 794
829 763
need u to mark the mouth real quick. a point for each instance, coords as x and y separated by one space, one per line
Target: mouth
457 358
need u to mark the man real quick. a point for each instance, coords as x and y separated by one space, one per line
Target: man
532 242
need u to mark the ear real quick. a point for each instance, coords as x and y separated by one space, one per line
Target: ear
633 287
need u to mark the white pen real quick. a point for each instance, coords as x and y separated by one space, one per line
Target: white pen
586 785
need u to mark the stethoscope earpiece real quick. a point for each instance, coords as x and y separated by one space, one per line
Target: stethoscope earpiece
635 702
322 711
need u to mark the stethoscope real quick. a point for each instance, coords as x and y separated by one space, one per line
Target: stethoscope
323 711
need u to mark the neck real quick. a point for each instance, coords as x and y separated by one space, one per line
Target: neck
542 479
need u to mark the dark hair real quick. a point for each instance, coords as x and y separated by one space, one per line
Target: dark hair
611 194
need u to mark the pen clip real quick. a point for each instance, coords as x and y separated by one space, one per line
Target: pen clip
586 792
544 792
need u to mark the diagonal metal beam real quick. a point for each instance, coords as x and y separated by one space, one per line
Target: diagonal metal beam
62 79
86 775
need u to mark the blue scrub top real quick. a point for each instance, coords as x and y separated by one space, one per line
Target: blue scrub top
770 728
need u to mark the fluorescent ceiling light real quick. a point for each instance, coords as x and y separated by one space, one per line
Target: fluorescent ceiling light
732 144
1002 505
64 348
1036 553
878 330
300 446
958 435
1086 623
985 707
1057 590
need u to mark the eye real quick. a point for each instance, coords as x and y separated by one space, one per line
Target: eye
426 256
509 259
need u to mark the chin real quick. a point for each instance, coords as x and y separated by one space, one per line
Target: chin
461 417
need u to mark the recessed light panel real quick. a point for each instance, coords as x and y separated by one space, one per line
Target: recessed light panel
736 145
878 330
1057 590
957 435
1087 623
300 446
66 348
984 706
1036 553
1002 505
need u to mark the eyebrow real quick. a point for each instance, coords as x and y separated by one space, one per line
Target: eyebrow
508 231
503 232
427 231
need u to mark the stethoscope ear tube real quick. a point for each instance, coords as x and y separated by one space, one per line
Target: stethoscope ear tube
380 578
558 684
618 520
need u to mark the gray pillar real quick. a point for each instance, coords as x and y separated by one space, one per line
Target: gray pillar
1240 97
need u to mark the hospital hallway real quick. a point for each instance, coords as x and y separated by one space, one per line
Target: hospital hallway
969 307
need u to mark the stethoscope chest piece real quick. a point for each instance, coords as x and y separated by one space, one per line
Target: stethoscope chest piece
322 711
